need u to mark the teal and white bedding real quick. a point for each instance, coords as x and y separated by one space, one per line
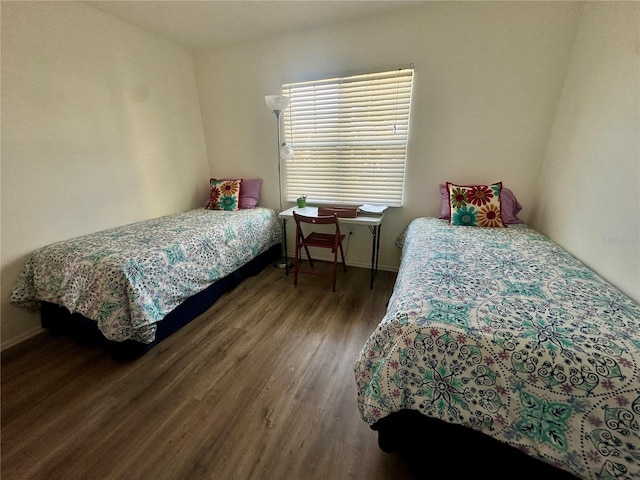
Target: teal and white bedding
128 278
502 331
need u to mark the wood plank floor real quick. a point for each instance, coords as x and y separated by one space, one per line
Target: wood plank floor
259 387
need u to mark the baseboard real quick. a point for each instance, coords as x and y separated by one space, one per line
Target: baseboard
21 338
386 268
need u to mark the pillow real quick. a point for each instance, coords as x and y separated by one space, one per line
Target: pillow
224 194
250 192
509 205
475 205
444 202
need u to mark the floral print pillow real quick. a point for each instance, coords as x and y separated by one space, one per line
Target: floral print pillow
475 205
224 194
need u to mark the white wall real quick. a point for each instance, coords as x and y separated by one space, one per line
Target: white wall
589 192
101 127
488 76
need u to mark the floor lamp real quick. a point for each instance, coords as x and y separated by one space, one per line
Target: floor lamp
277 103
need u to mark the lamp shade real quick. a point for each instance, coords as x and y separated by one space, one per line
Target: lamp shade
286 151
276 102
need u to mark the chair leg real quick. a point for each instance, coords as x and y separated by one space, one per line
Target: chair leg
296 262
335 268
344 264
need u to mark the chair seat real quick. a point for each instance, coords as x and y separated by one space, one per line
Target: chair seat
322 240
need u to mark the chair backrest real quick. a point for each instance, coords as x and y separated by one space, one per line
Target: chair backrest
319 220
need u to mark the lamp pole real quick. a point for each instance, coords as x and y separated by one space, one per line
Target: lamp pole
277 114
277 103
283 262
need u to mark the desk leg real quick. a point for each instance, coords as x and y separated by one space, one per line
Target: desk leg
378 247
284 260
375 250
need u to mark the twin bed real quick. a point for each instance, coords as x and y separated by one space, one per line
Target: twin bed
500 335
491 334
132 286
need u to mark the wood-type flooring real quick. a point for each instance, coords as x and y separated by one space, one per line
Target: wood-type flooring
261 386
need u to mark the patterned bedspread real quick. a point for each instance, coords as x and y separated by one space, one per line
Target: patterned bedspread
503 331
128 278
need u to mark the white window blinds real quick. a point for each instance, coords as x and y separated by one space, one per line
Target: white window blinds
350 138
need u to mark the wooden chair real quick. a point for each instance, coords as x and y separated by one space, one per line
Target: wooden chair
331 241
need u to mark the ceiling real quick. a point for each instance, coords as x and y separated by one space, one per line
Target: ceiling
211 23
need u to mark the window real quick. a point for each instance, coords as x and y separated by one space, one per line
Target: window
350 138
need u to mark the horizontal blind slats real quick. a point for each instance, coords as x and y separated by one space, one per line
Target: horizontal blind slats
350 137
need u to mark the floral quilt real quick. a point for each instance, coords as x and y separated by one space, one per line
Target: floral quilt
504 332
128 278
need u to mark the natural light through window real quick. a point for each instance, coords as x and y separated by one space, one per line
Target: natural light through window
350 138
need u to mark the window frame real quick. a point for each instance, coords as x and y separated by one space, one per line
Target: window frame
350 136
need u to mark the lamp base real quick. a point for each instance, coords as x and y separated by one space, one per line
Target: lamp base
283 263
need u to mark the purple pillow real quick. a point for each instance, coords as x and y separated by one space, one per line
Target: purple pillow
445 212
509 205
249 192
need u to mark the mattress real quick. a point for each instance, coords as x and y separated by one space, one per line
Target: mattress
129 278
502 331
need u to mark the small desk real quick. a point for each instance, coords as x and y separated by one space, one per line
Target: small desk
374 224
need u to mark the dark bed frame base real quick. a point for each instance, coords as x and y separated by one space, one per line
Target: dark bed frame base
60 320
435 449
